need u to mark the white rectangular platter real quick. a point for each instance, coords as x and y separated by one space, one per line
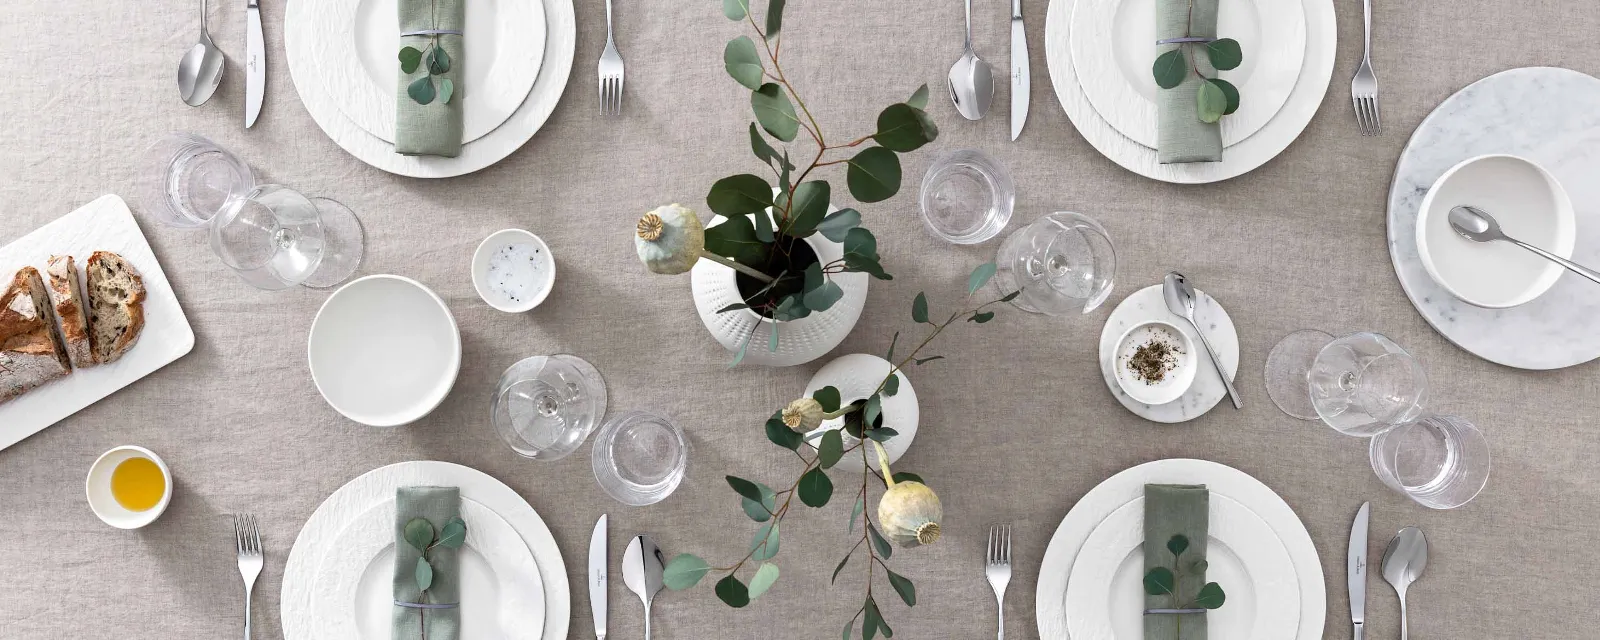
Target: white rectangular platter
103 225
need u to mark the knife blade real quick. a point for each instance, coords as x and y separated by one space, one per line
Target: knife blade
597 577
255 63
1356 571
1020 84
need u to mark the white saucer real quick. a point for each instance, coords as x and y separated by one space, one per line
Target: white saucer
1207 389
384 350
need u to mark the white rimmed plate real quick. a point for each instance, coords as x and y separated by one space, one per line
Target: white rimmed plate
1207 389
384 350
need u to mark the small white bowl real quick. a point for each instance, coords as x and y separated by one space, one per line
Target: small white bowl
1176 381
535 277
1529 204
98 487
384 350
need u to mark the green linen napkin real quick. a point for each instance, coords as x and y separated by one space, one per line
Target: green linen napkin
1171 509
432 129
1180 135
438 505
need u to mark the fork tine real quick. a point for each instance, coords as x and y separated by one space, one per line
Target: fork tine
620 79
1007 558
994 531
238 537
1372 115
616 96
255 536
1377 119
1364 115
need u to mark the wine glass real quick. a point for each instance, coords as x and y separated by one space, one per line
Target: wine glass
966 197
1441 462
1361 384
545 406
640 458
276 238
1060 263
190 179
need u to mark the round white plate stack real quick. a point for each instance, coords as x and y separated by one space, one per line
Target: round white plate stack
1091 580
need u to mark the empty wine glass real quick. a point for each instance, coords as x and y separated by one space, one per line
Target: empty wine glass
190 178
640 458
1061 263
276 238
545 406
1361 384
1441 462
966 197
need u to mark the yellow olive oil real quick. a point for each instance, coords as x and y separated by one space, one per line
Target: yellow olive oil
137 484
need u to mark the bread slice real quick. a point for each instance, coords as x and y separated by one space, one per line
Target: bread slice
66 295
116 305
31 349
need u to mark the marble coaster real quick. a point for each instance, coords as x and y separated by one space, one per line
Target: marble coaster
1147 304
1545 114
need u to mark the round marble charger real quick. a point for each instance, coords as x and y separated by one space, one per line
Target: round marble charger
1545 114
1147 304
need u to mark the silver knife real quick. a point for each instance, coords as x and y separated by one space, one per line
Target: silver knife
1356 571
1019 71
597 578
255 63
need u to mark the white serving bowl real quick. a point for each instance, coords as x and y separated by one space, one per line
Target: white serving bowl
1529 204
384 350
98 487
545 270
1174 383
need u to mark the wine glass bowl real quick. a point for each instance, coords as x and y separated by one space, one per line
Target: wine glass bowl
275 238
544 407
1059 264
1364 384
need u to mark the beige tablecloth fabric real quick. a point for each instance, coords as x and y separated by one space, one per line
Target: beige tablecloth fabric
1017 423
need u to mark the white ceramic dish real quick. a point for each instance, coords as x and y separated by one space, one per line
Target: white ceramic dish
1529 204
513 288
1207 389
104 224
1175 382
384 350
98 487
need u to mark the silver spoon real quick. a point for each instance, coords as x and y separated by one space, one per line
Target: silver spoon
201 67
971 82
642 566
1477 225
1403 563
1180 301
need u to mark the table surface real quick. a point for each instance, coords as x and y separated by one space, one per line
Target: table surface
1016 422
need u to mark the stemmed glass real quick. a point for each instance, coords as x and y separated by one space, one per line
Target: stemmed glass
545 406
1060 263
276 238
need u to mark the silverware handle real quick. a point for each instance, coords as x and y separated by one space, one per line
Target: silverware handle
647 624
969 24
1405 632
1000 615
1574 267
1366 21
203 13
608 21
247 590
1222 372
1360 632
1016 8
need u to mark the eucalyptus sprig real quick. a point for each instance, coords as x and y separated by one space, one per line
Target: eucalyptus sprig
419 533
1216 97
1163 581
423 90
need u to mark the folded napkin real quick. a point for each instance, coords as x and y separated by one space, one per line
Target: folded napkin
1180 135
432 129
1171 509
438 505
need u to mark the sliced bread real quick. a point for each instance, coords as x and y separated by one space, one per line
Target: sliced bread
116 305
31 349
66 295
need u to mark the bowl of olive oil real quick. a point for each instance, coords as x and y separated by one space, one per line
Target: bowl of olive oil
129 487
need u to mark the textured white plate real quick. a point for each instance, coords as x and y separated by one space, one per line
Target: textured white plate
1113 48
1207 389
1105 593
300 50
298 599
499 580
357 44
1241 158
1127 486
384 350
104 224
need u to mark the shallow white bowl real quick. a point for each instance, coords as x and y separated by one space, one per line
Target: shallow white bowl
98 487
544 270
384 350
1529 204
1174 383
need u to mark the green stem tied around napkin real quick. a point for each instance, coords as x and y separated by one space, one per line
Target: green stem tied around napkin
427 586
428 116
1175 584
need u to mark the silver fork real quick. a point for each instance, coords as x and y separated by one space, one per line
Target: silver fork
1364 87
247 539
998 569
610 73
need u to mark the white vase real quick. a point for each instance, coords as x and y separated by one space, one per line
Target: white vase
856 376
799 341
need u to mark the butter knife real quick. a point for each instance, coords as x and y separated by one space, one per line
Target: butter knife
597 578
1356 571
255 63
1020 85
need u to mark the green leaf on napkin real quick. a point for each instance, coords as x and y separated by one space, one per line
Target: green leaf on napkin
410 59
744 487
1210 102
421 90
447 90
921 361
438 61
762 150
855 512
1178 544
981 317
1210 596
775 112
424 574
419 533
454 534
732 592
815 487
760 511
684 571
1224 53
1230 91
874 175
765 575
1170 69
1159 581
742 62
735 9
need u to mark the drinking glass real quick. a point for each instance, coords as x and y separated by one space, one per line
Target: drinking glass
1364 384
1441 462
190 178
640 458
545 406
966 197
1061 263
276 238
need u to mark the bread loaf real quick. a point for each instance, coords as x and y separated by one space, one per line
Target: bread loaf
31 350
66 295
116 305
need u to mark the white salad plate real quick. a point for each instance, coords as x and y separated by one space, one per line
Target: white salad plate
356 47
1106 597
304 616
1114 47
1206 390
1243 157
1126 487
384 350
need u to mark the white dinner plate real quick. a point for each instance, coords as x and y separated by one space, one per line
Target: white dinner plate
357 44
1241 158
1207 389
299 598
384 350
1127 486
498 577
1106 597
1113 47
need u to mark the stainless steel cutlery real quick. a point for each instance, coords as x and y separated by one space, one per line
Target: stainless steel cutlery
642 568
1364 87
1477 225
1020 85
997 567
247 542
598 597
1356 571
1403 562
971 82
610 72
1179 295
201 67
255 63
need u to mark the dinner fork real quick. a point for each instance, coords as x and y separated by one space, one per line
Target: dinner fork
998 569
247 539
610 73
1364 87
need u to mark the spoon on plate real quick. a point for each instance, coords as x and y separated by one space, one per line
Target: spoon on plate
1477 225
971 81
201 67
1403 563
642 567
1180 301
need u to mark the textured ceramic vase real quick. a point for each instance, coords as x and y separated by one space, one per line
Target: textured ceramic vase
856 376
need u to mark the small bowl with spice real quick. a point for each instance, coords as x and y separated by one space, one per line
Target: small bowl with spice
1155 362
513 270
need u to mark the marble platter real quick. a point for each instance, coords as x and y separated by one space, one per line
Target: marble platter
1207 390
1545 114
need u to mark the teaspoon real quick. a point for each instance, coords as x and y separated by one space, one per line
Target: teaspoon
971 81
201 67
1179 295
642 568
1403 563
1477 225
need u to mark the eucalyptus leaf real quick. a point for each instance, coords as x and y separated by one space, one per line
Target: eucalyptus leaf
824 297
907 476
735 239
873 621
922 361
761 148
765 543
438 60
815 487
418 533
981 317
882 434
980 276
849 625
733 307
869 413
1178 544
759 512
766 574
732 592
855 512
1011 296
1158 581
423 574
828 397
1230 91
840 567
735 9
774 25
1210 596
772 335
684 571
763 226
739 57
879 543
410 59
902 586
1170 68
891 385
808 208
1210 102
783 174
744 487
903 128
1224 53
874 174
892 342
780 434
738 195
421 90
739 357
919 99
775 112
454 533
447 90
835 225
919 308
830 449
